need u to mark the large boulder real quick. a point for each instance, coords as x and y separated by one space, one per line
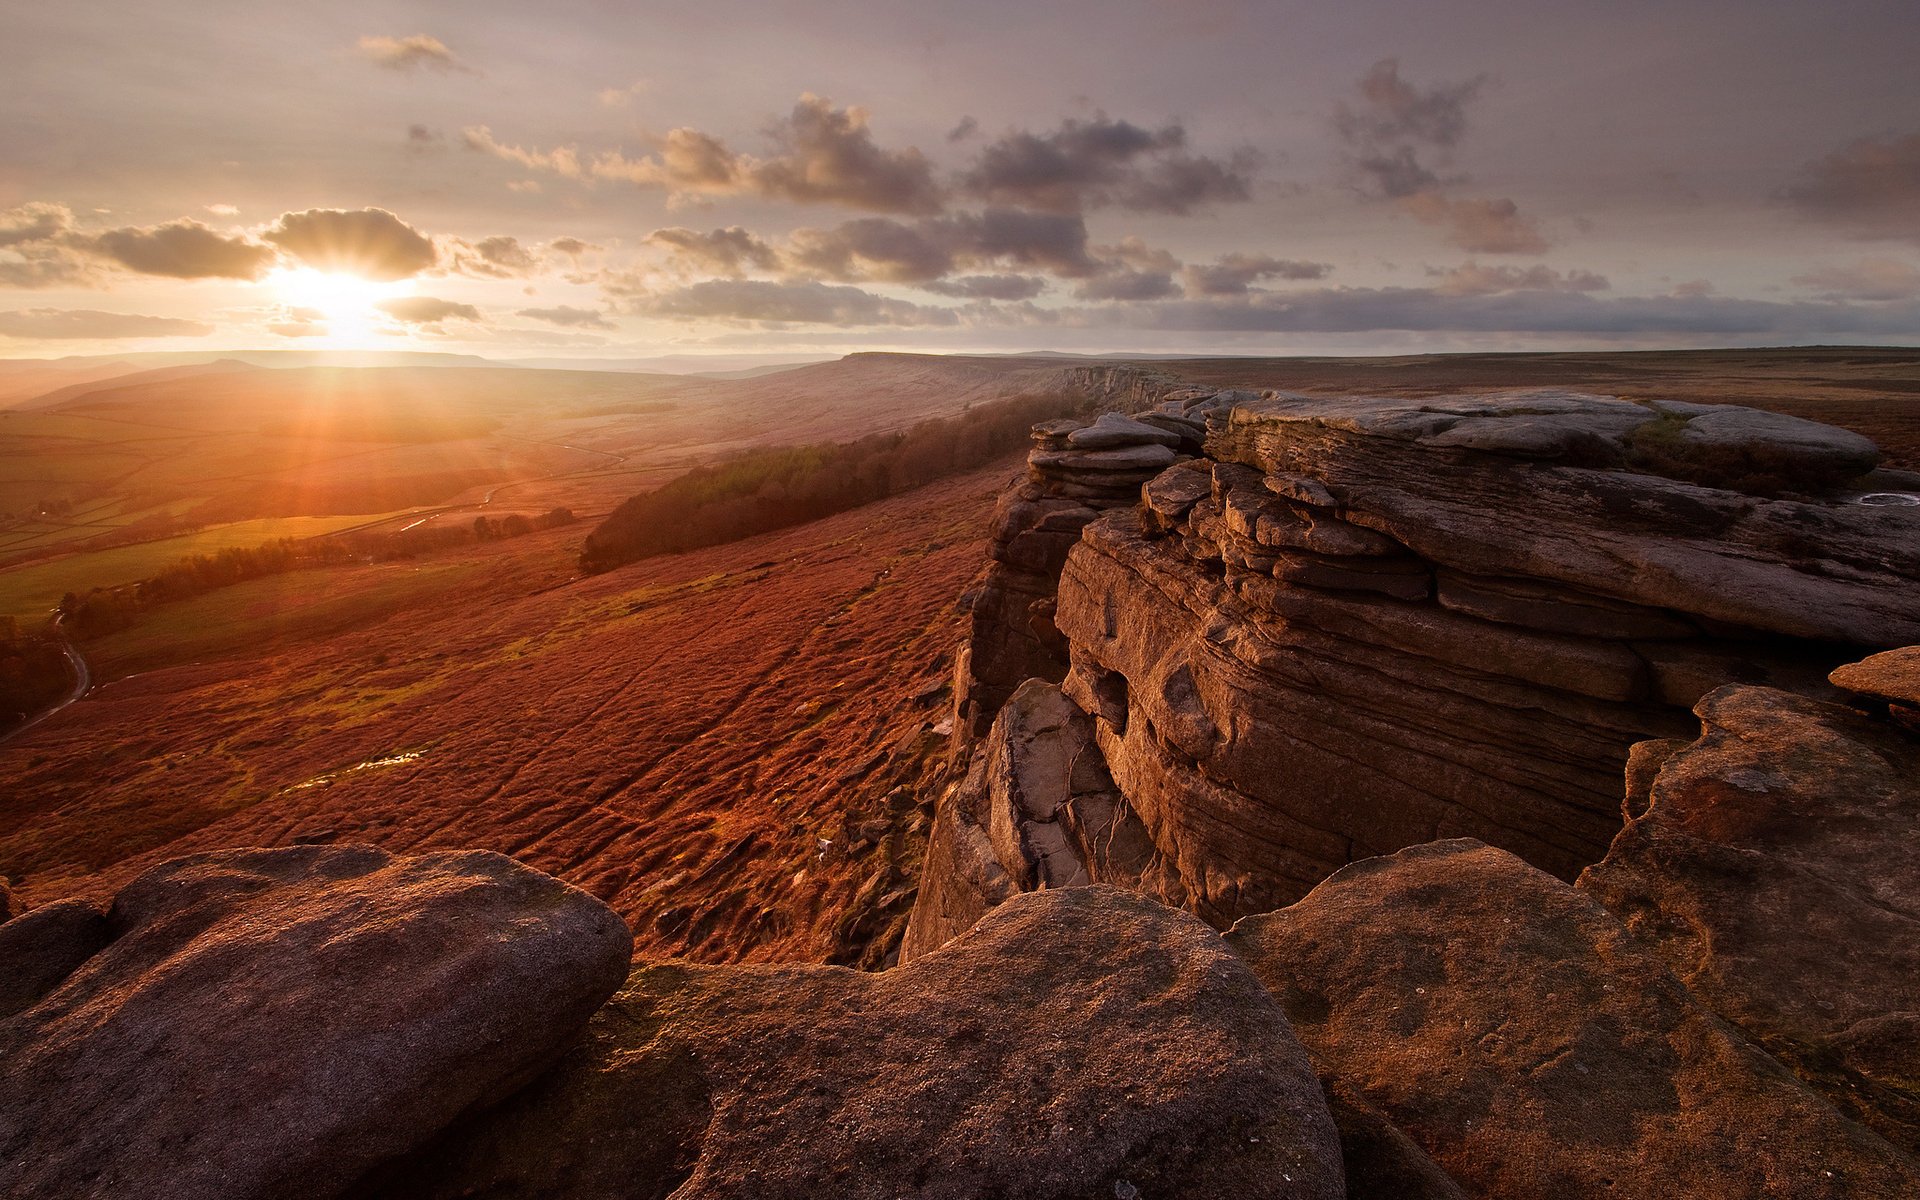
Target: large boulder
1772 863
1532 1047
272 1023
1081 1042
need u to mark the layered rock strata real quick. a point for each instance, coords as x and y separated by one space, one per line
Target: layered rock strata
1077 470
1354 624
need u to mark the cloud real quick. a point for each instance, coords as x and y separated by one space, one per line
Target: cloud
1870 187
963 129
1473 279
1100 163
297 329
883 249
222 210
1395 111
568 317
82 323
369 242
424 139
621 97
563 161
875 248
183 249
1482 225
731 251
824 155
36 222
427 310
1233 274
572 247
988 287
1864 279
496 257
830 156
789 303
1372 310
1128 284
410 53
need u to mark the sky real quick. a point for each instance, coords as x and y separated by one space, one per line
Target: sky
600 179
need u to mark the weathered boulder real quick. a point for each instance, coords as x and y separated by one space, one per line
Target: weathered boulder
42 947
1532 1047
272 1023
1773 865
1081 1042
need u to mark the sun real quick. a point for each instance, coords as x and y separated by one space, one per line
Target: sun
345 303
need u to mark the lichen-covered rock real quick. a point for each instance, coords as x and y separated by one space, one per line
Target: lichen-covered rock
272 1023
1773 864
1082 1042
1532 1047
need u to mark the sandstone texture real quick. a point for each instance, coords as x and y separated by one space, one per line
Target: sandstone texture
1352 624
1077 470
1080 1042
1527 1042
1891 678
1773 865
272 1023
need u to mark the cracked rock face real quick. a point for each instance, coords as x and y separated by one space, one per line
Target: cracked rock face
1078 1043
272 1023
1772 863
1513 1029
1038 810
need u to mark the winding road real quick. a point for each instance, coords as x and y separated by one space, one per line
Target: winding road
82 683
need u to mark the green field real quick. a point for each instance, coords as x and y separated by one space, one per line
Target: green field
261 612
30 593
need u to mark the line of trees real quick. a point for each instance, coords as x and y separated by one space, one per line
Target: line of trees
761 490
33 673
103 610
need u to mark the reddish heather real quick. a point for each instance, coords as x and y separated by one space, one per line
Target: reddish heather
706 741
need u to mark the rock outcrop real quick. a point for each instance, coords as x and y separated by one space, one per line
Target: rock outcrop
1772 864
1355 625
1037 810
1079 1042
1077 470
1516 1031
272 1023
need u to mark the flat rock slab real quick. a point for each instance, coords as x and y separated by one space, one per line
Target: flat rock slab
1891 677
1532 1047
272 1023
1773 864
1127 458
1112 429
1077 1043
